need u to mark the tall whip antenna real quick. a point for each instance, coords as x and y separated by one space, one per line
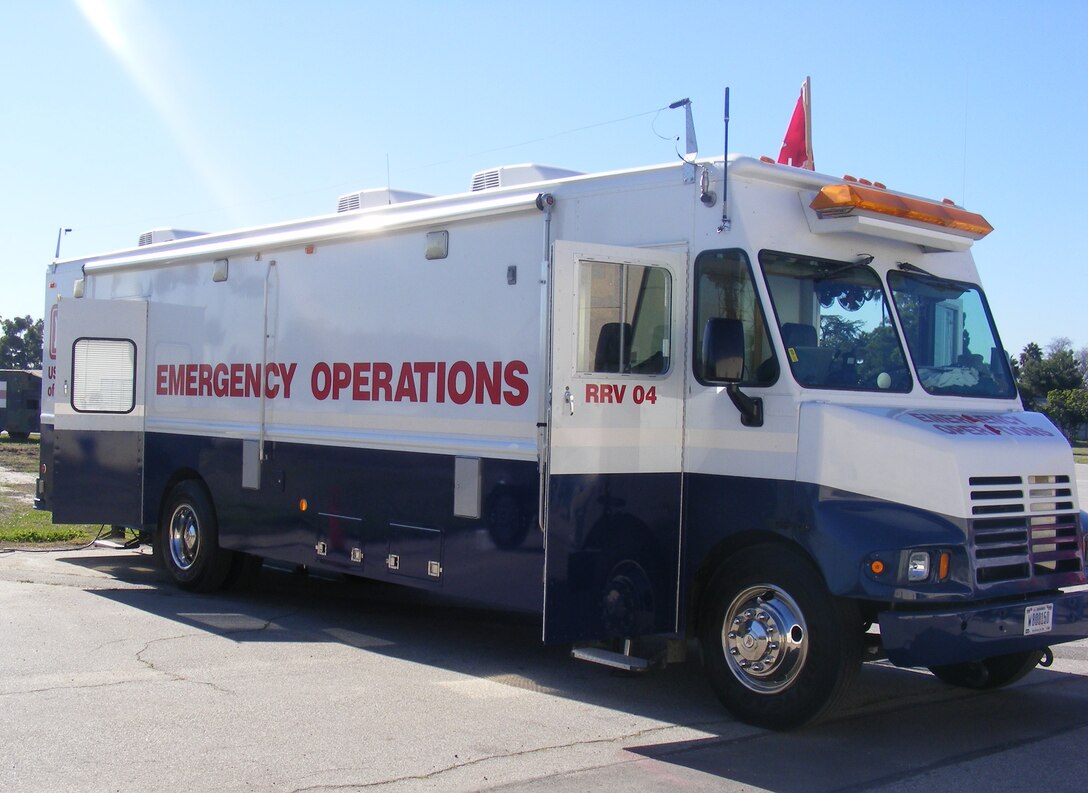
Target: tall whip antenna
725 169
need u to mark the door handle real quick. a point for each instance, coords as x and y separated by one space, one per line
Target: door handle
568 397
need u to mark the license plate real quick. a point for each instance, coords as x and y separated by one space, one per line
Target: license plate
1038 619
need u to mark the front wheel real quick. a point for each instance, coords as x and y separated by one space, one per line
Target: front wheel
995 672
778 648
189 540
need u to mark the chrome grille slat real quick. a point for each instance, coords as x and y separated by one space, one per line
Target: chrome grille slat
1022 528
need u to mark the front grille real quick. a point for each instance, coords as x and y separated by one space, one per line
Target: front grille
1023 527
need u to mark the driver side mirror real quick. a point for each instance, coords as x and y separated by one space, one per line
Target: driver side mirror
723 350
723 360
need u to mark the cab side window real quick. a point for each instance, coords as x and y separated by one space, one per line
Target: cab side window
724 288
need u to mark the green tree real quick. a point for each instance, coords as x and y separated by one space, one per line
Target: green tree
1067 408
1057 371
20 343
1032 352
840 333
880 352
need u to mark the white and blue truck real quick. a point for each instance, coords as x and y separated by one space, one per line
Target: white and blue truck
723 400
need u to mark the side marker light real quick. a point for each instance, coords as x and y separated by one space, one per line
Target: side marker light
943 565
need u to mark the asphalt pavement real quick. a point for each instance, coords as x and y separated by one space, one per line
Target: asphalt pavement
113 680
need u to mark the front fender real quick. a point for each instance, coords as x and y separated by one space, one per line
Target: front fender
847 532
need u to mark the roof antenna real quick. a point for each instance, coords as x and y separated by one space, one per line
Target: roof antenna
725 169
691 145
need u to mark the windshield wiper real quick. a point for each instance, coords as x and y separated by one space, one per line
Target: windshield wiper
863 258
907 267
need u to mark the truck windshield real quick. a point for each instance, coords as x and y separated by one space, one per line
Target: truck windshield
835 323
951 337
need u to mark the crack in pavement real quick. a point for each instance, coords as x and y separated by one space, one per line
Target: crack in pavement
151 665
175 676
637 735
79 687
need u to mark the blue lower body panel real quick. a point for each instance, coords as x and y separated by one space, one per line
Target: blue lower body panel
95 477
935 638
377 514
613 556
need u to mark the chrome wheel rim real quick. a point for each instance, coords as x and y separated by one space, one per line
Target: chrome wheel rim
765 639
184 537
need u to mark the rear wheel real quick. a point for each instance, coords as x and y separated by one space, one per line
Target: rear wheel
778 648
1001 670
189 540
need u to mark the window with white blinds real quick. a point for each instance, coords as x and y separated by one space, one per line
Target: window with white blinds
104 375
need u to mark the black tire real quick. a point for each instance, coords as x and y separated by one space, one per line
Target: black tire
767 591
19 436
189 540
995 672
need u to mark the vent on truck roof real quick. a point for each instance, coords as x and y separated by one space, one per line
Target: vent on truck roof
378 197
526 173
166 235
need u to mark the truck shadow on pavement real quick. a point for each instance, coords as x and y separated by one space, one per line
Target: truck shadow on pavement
502 647
932 739
897 728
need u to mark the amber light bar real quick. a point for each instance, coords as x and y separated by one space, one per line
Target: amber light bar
842 200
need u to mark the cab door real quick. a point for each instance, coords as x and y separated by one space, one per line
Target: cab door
615 432
99 412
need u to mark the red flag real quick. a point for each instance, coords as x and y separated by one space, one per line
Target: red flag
797 145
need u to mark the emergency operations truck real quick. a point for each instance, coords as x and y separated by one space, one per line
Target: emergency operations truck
723 400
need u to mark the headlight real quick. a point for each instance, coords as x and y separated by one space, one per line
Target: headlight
909 566
918 566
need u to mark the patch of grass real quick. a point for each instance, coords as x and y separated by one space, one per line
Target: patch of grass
19 456
24 525
1080 451
39 537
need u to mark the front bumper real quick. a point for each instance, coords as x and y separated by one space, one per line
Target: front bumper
934 638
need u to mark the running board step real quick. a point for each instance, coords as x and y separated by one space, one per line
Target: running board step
102 543
610 658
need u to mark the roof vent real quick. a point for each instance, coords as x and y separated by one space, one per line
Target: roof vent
526 173
166 235
379 197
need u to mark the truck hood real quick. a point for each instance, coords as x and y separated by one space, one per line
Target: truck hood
937 460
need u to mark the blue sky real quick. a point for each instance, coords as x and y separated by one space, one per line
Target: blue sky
121 117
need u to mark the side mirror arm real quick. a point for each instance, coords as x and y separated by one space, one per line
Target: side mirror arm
751 408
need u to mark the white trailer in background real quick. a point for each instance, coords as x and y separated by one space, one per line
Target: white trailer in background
609 399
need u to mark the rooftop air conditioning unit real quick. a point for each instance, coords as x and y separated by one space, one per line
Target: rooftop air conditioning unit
378 197
166 235
526 173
